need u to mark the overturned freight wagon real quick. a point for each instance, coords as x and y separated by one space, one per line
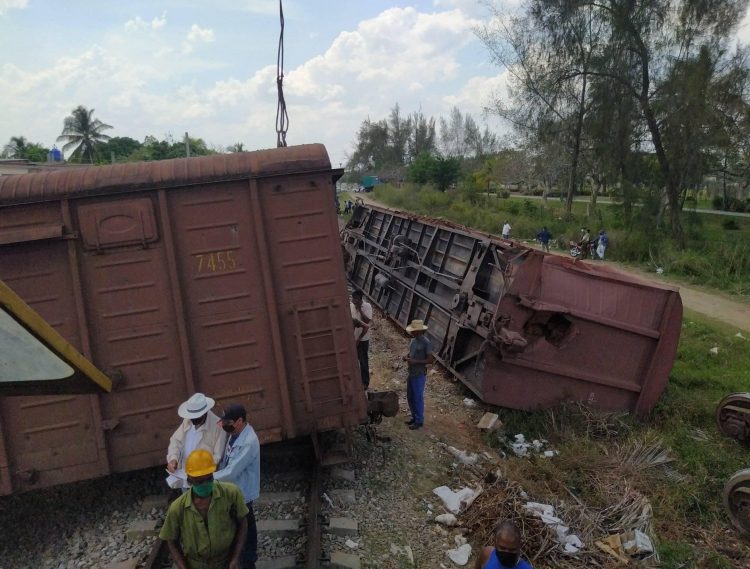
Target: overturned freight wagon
521 328
220 274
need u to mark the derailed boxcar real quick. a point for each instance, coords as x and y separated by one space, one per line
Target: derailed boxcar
521 328
219 274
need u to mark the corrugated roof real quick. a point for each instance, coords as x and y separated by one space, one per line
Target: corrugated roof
115 178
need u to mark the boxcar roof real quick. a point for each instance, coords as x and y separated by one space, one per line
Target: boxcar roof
133 176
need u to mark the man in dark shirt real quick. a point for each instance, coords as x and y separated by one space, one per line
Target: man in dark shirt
544 236
419 356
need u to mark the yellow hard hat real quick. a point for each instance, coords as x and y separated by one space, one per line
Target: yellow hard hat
199 463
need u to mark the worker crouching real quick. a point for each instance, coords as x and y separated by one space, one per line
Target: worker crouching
206 527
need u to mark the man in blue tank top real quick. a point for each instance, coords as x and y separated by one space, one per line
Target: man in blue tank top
507 551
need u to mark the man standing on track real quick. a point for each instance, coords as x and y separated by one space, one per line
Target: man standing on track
362 316
241 466
419 356
199 430
207 526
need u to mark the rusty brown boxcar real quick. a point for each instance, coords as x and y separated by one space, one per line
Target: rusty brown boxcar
521 328
220 274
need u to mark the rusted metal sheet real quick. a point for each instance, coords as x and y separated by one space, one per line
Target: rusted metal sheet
219 274
521 328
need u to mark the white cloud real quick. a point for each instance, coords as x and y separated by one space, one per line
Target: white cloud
138 23
7 5
197 35
400 55
479 93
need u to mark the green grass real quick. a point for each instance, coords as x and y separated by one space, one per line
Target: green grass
684 421
715 256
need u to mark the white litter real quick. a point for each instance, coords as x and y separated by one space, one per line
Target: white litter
659 271
537 444
469 402
446 519
520 449
463 456
460 555
570 543
409 553
573 544
740 336
327 499
520 438
452 500
714 351
459 540
550 453
636 543
351 544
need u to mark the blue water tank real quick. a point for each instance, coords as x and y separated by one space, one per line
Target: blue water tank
54 155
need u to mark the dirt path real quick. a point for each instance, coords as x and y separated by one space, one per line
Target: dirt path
712 304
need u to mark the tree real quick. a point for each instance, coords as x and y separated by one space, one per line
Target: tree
81 132
122 147
16 147
422 139
236 147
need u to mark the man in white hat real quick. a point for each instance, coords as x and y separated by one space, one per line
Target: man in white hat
419 356
200 429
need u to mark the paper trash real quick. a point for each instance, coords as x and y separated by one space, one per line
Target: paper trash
460 555
178 480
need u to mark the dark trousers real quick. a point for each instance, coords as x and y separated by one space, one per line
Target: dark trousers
415 397
363 349
250 551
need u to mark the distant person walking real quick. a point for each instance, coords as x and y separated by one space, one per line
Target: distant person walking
361 311
506 230
418 358
544 236
601 247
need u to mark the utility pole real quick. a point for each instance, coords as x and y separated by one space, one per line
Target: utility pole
112 156
187 145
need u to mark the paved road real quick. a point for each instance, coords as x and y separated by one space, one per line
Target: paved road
608 201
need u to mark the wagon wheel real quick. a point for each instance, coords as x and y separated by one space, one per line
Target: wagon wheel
737 500
733 416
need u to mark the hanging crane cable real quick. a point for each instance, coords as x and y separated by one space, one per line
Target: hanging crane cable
282 117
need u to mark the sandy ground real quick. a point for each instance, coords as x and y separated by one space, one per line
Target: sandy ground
710 303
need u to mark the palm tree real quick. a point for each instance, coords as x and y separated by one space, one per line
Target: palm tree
16 148
81 132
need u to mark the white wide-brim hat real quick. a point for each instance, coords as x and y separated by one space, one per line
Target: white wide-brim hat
197 406
416 326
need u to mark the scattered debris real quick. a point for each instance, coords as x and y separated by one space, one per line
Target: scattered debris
446 519
328 499
740 336
455 502
636 543
351 544
460 555
570 543
714 351
523 448
659 270
469 402
488 422
463 456
409 553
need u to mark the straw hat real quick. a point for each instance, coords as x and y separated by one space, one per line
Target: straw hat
197 406
416 326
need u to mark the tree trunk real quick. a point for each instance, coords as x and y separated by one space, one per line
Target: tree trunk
670 183
576 148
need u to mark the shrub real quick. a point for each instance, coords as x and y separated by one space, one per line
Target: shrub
730 224
505 194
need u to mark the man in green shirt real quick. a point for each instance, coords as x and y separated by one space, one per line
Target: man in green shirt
206 527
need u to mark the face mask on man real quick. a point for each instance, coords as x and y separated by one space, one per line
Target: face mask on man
204 489
507 558
228 427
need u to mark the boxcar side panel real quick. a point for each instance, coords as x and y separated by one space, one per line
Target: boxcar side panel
313 308
132 325
228 324
49 439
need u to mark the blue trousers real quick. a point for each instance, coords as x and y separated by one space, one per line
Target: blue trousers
415 397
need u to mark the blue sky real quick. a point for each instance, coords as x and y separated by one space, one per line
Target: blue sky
208 67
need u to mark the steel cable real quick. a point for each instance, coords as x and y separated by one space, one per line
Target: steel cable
282 117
